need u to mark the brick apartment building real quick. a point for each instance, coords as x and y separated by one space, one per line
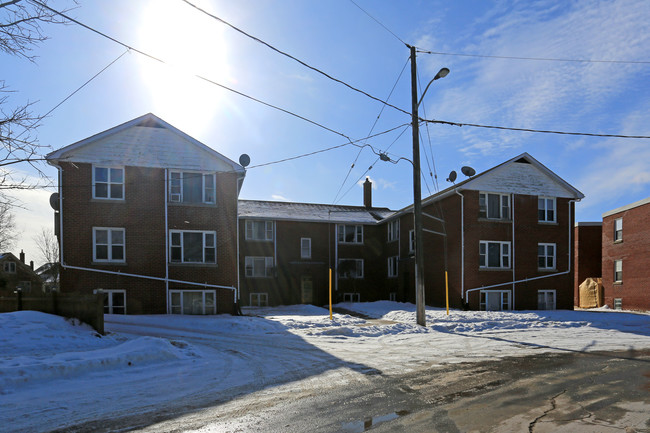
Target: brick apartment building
148 215
151 217
626 256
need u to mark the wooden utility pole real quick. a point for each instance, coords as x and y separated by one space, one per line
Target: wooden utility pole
417 198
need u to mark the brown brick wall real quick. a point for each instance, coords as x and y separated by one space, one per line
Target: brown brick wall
634 250
142 215
587 241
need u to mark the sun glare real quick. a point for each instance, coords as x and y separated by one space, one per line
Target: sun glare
190 43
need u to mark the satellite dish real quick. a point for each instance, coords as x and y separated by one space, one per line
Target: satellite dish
54 201
244 160
452 176
468 171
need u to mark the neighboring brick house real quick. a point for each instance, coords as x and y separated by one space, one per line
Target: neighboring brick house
287 249
148 215
15 274
626 256
587 256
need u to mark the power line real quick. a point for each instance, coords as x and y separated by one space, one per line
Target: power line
293 58
588 134
543 59
378 22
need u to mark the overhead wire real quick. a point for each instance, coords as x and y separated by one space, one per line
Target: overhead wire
371 129
379 22
305 64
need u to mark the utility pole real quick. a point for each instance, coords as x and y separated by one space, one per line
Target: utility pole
417 198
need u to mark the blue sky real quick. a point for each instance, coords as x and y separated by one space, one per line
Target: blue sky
338 38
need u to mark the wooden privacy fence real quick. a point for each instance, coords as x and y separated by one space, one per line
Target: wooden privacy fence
87 308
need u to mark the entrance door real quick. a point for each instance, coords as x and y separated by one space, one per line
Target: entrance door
307 289
495 300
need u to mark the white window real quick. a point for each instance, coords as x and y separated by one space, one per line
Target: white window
193 301
392 296
305 248
108 244
392 266
618 303
493 206
351 297
10 267
24 286
546 299
546 256
618 229
258 267
192 187
350 268
546 209
618 271
495 300
393 230
411 241
494 254
350 234
259 230
192 246
108 183
259 299
114 302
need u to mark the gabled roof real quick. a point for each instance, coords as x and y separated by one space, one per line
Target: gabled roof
11 257
522 174
310 212
146 141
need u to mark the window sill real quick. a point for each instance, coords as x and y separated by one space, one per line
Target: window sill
108 263
258 240
495 220
546 270
351 243
618 283
107 200
193 264
547 223
494 269
620 241
208 205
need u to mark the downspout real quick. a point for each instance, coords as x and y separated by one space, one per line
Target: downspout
237 291
462 244
166 243
336 258
514 274
60 172
534 278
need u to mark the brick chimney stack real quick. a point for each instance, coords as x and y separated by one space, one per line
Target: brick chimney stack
22 256
367 193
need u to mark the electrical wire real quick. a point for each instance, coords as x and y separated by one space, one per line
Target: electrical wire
293 57
543 59
587 134
378 22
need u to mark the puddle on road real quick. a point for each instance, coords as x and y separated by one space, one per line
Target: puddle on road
368 423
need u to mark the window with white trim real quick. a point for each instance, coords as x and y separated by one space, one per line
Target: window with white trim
351 297
411 241
193 301
546 256
10 267
392 266
618 271
108 244
618 303
618 230
260 299
350 234
350 268
258 267
494 206
393 230
546 209
108 183
546 299
493 254
495 300
114 302
259 230
192 246
192 187
305 248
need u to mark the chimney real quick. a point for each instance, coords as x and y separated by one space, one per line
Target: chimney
22 256
367 193
31 264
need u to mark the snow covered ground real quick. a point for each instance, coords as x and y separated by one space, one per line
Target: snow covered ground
56 372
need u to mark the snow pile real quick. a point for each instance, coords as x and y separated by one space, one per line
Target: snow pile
38 346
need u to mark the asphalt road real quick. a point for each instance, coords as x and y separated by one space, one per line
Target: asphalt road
571 392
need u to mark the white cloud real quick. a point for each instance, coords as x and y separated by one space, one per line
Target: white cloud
279 197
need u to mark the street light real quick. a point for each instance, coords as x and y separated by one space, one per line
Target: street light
420 314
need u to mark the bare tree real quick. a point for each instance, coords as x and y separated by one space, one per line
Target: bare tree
8 233
48 245
21 29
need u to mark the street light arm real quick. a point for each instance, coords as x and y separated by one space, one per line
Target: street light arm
441 74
